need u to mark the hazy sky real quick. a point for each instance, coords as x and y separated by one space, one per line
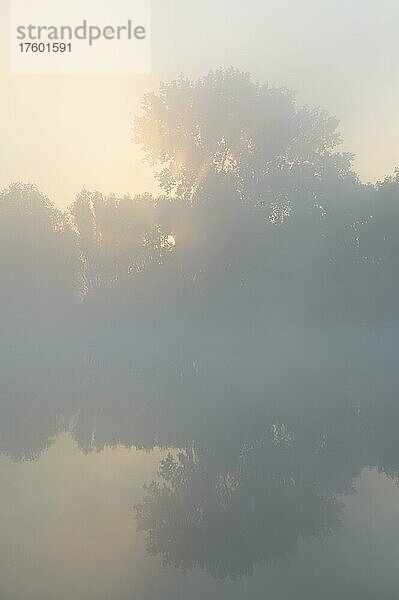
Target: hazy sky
69 132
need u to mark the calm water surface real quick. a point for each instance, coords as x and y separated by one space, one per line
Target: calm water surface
222 475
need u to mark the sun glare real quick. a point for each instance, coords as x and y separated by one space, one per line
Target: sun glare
171 241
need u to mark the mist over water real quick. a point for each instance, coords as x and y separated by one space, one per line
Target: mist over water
198 391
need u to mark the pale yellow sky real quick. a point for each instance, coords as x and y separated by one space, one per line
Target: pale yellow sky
68 132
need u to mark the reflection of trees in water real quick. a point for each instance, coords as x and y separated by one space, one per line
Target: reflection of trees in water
230 505
258 291
228 523
257 472
254 475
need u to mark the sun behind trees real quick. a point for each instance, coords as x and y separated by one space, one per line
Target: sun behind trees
261 213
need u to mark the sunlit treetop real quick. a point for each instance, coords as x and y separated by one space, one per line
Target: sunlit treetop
224 127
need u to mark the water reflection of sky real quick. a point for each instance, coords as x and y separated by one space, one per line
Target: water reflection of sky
67 528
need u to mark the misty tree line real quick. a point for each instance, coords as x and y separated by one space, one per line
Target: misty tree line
259 211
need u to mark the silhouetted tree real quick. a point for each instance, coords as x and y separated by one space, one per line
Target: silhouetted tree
225 130
39 260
